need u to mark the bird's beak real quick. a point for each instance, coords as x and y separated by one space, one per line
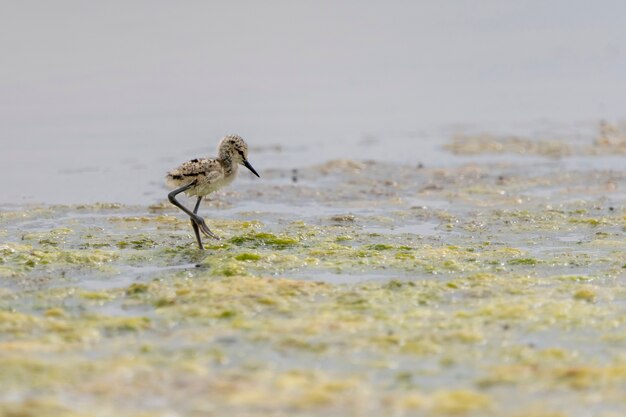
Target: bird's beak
247 165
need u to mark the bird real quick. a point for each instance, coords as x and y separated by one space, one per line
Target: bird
202 176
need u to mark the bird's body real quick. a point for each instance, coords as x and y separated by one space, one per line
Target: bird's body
210 175
202 176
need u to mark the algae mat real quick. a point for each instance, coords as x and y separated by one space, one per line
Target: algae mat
345 289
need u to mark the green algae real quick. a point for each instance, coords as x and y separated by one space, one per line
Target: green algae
248 257
357 318
94 295
134 289
265 239
137 242
379 247
523 261
40 407
229 269
372 318
18 259
610 139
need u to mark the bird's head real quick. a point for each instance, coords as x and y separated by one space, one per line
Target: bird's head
233 147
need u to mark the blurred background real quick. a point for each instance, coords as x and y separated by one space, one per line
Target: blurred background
99 99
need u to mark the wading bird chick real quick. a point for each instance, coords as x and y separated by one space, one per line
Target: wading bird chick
200 177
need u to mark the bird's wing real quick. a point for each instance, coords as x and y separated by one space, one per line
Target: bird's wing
212 170
191 168
206 170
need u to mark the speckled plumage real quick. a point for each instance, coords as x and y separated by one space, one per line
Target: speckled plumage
202 176
211 174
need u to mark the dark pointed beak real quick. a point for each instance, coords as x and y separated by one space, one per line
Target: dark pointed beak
247 165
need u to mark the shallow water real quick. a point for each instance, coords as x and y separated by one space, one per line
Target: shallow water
123 97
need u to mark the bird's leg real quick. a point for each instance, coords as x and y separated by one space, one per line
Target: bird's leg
195 209
195 226
205 229
199 221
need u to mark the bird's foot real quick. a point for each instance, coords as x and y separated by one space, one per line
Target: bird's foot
199 221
